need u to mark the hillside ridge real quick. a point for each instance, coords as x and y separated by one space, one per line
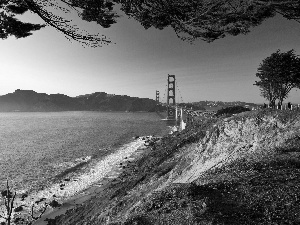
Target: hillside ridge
31 101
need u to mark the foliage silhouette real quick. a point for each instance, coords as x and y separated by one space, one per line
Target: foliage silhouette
190 19
231 110
278 74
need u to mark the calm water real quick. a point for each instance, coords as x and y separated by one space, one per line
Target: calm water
36 149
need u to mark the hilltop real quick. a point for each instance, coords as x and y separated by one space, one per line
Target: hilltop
31 101
216 105
243 169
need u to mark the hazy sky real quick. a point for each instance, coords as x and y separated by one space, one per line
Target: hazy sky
139 62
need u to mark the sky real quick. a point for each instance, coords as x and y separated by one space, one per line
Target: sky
139 61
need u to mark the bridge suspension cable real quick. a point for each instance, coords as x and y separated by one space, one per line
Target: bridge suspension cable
165 93
179 93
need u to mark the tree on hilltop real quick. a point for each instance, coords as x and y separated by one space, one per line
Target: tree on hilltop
278 74
190 19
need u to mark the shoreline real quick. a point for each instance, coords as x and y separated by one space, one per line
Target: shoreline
102 183
84 146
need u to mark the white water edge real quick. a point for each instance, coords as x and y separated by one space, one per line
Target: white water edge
77 185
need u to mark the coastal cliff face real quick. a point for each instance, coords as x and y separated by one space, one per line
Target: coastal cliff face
242 137
243 169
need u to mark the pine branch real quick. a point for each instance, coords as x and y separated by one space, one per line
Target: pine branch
62 25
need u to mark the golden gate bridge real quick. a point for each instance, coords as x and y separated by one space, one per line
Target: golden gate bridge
175 112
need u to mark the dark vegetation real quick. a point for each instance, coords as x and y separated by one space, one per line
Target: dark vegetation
278 74
27 100
231 110
207 20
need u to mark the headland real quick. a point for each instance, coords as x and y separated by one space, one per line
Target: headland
240 169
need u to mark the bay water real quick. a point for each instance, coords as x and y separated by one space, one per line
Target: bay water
40 149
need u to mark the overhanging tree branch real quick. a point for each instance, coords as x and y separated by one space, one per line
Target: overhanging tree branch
62 25
208 20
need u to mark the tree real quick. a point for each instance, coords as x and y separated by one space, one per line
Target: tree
9 25
100 11
269 92
190 19
278 74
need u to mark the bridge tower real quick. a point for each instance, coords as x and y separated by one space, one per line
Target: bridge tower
157 97
171 97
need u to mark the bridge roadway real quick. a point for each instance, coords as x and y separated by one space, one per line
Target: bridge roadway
191 112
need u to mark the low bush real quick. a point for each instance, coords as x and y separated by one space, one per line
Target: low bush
231 110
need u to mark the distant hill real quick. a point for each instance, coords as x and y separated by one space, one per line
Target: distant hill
216 105
192 106
31 101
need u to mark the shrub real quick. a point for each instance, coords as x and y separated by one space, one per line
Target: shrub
231 110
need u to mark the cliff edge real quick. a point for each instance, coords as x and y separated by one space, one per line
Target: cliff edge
243 169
